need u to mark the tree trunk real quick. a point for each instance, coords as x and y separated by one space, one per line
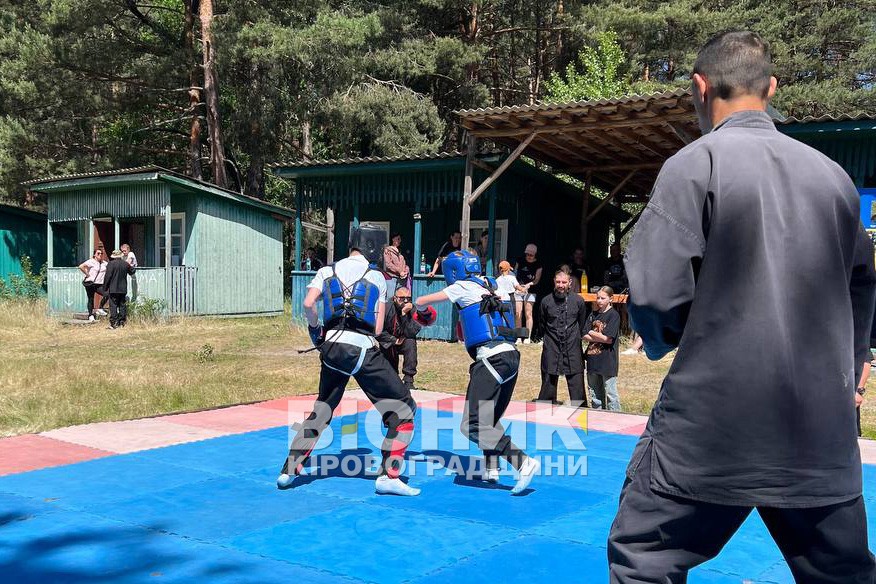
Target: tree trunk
306 141
195 169
211 92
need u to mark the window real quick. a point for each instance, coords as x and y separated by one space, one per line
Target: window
500 239
177 240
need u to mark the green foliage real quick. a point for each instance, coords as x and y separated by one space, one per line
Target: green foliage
205 353
599 77
147 310
28 286
381 119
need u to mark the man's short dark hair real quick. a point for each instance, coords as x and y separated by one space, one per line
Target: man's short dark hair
736 63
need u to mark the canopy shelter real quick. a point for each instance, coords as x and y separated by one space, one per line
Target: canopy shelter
617 145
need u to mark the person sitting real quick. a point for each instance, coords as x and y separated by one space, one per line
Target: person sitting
310 263
480 249
578 267
615 275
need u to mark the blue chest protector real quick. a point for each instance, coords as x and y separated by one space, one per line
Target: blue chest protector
486 321
351 307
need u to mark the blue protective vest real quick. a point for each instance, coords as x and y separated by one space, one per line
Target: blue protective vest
356 311
483 322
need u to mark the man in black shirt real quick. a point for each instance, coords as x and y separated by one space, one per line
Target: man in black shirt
399 335
451 245
562 317
751 260
115 284
615 275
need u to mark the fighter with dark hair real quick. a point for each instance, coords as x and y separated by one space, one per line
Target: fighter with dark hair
489 339
747 235
353 303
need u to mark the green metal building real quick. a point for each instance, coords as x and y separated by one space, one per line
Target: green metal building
201 250
419 197
23 233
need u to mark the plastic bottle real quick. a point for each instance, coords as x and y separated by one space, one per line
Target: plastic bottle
423 269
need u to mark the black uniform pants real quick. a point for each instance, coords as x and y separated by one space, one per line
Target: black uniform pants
407 350
491 383
380 383
118 309
575 382
658 538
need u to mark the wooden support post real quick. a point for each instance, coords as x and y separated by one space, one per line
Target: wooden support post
611 195
466 190
585 206
330 236
502 167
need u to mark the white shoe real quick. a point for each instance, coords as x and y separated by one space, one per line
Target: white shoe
527 342
529 469
387 486
90 318
630 352
285 481
519 342
102 312
491 475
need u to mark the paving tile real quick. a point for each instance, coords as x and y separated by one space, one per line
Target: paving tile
33 451
131 435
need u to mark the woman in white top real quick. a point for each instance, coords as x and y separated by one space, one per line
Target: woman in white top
94 270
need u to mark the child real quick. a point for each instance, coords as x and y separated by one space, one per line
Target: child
489 340
601 355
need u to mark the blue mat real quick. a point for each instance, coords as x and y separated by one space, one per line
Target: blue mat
209 512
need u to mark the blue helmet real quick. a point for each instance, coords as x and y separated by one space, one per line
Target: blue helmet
460 265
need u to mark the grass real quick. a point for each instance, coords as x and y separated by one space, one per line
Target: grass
54 374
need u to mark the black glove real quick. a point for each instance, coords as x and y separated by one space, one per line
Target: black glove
316 336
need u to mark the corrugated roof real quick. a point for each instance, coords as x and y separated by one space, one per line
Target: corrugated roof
547 107
365 160
170 174
828 118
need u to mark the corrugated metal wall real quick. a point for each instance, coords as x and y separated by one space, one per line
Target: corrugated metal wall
135 200
239 255
20 236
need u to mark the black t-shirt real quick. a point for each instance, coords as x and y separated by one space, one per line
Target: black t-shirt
616 275
446 249
578 271
526 271
602 357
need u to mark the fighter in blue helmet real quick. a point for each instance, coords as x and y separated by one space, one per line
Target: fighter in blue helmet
489 336
351 297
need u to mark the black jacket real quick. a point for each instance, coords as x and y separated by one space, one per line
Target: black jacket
396 326
562 323
115 281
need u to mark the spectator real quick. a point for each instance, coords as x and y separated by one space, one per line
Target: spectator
116 286
481 250
94 270
129 255
310 263
507 284
399 336
394 265
603 326
451 245
579 271
528 270
615 275
563 319
635 346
